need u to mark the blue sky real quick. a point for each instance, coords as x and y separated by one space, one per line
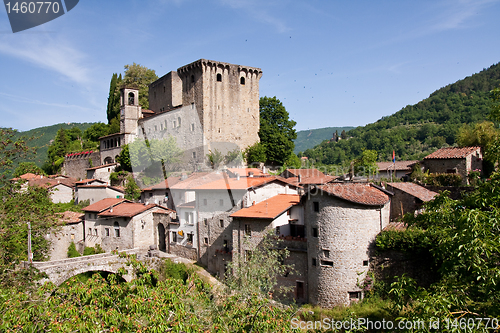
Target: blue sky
331 63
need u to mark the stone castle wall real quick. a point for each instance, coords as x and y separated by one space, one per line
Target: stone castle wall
76 166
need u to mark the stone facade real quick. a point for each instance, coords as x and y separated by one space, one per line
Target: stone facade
95 193
455 160
75 165
61 193
340 234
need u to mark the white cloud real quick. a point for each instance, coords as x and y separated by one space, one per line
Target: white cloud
258 9
44 51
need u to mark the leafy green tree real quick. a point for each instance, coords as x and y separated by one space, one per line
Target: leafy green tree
72 252
343 135
293 162
113 109
234 158
27 167
140 77
94 132
11 150
367 164
132 191
276 130
124 159
255 153
114 125
56 152
215 159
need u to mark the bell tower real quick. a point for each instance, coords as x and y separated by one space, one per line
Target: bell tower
130 112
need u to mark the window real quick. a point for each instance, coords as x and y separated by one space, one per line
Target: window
315 232
226 245
156 128
95 232
72 236
174 236
161 126
353 295
90 231
326 253
365 262
248 230
221 223
327 263
219 77
192 106
221 202
150 194
106 232
192 78
174 124
117 229
278 230
131 99
189 217
205 240
178 121
204 202
205 221
194 154
190 238
314 263
242 80
316 206
192 127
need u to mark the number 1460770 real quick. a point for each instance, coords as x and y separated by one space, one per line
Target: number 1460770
32 7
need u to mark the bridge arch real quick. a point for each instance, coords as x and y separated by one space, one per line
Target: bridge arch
62 277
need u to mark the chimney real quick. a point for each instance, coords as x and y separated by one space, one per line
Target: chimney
300 178
184 176
250 174
237 176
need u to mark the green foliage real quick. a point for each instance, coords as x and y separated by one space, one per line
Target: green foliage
444 179
233 158
255 154
113 109
169 269
366 164
12 149
90 250
154 154
140 77
132 191
293 162
124 159
16 209
146 304
72 252
411 240
417 130
94 132
215 159
27 167
310 138
276 130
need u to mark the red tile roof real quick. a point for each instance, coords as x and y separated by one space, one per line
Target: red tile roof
306 172
49 182
360 193
243 183
399 165
196 179
102 166
245 172
103 204
415 190
116 188
126 209
452 152
87 181
270 208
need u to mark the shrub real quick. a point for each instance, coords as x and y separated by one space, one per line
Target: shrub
72 252
444 179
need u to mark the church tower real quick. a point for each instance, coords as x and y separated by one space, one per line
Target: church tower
130 113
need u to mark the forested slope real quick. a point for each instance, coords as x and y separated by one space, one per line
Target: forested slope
419 129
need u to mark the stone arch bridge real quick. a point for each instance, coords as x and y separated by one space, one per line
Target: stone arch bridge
59 271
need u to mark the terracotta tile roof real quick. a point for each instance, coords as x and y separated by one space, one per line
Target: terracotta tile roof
102 166
306 172
317 180
452 152
30 175
360 193
270 208
243 183
103 204
69 217
116 188
245 172
400 166
415 190
48 182
197 179
397 226
88 181
170 181
126 209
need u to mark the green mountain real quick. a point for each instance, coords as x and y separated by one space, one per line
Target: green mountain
417 130
310 138
42 137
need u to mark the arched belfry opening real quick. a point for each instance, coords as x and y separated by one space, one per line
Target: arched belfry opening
242 80
131 98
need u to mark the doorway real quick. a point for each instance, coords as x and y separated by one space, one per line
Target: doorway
161 238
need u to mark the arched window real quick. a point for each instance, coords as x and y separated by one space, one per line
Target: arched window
242 80
117 229
219 77
131 98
